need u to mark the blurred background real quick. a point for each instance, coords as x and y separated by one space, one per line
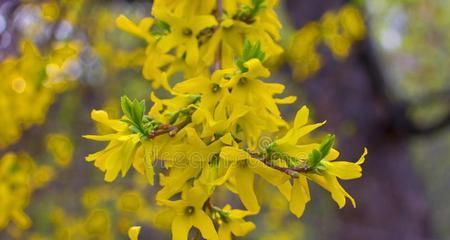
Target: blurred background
377 71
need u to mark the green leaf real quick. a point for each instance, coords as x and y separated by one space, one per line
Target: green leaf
135 116
317 155
327 144
160 28
238 128
250 51
125 104
248 13
314 158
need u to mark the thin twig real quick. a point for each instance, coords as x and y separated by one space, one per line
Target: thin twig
170 129
219 14
291 171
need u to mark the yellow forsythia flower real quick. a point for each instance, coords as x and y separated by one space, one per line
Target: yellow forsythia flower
123 151
188 213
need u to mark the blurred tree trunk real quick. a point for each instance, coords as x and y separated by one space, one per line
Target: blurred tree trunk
391 201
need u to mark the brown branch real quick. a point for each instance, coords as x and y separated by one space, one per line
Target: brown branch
170 129
443 123
219 14
291 171
397 118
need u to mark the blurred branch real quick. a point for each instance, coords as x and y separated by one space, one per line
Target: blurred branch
443 123
396 118
55 26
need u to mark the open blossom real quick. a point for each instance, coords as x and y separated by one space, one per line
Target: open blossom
232 223
245 20
122 151
188 213
184 32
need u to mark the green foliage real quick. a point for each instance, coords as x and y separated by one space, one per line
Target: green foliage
136 118
317 155
160 28
250 51
248 13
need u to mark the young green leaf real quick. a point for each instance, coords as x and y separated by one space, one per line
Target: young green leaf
327 144
250 51
314 158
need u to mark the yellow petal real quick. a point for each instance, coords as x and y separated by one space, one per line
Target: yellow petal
301 118
133 232
233 154
285 189
298 133
148 162
174 184
256 69
164 218
343 170
229 173
128 151
180 227
271 175
21 219
286 100
192 52
129 26
196 196
107 137
362 159
299 196
241 228
193 85
203 223
168 42
201 22
227 139
244 186
331 184
225 232
103 118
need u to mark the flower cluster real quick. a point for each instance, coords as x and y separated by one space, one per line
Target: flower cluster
30 83
106 212
221 127
19 177
336 30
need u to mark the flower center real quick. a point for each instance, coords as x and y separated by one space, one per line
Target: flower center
189 210
187 32
215 88
243 80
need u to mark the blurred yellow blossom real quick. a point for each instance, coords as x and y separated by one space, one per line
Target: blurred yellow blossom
337 30
61 148
19 177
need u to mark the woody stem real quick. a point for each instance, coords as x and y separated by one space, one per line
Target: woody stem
291 171
219 14
170 129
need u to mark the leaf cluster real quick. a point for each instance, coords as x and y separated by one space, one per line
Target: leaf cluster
136 118
248 13
250 51
317 155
